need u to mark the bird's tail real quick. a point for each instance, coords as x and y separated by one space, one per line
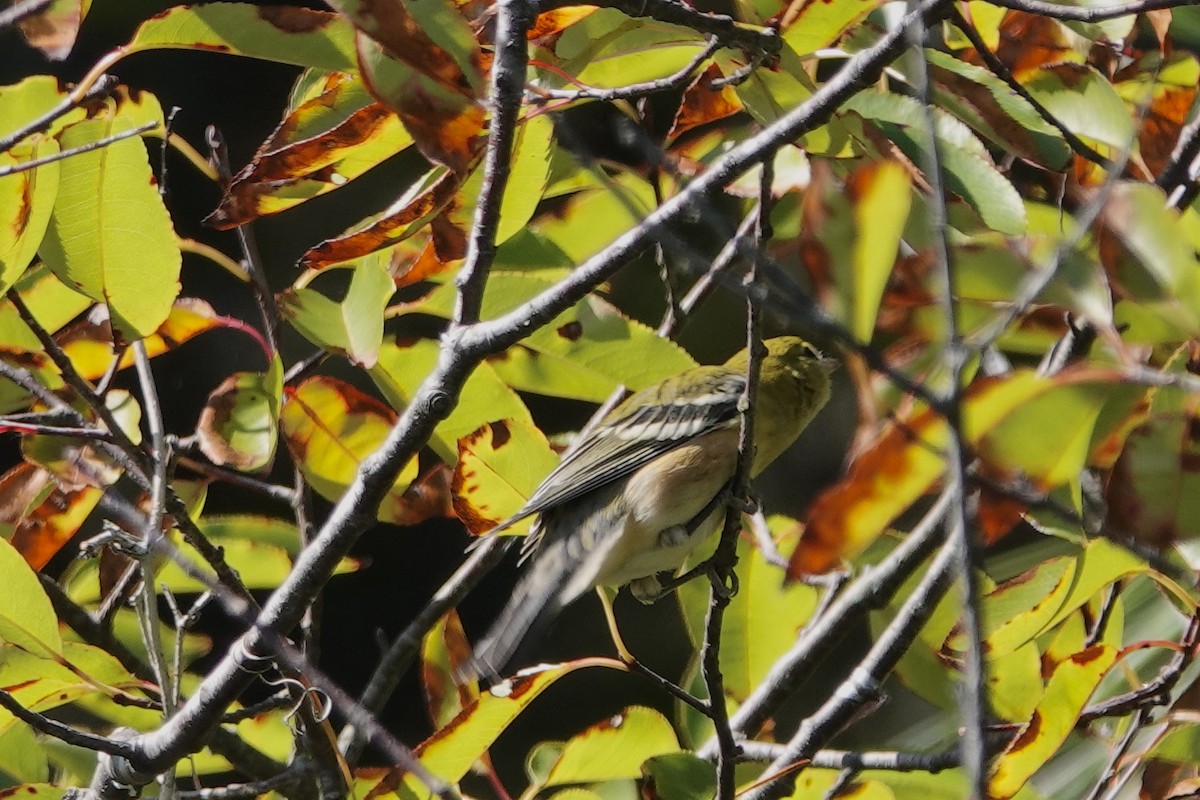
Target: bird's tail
536 600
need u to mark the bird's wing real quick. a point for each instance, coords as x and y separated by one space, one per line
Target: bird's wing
634 435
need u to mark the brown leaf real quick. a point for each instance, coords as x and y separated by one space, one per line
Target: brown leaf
426 498
393 227
702 104
1029 41
53 30
285 161
38 515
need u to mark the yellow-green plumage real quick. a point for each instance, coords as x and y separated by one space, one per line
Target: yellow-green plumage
625 502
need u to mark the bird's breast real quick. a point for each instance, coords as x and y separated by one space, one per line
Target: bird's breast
669 493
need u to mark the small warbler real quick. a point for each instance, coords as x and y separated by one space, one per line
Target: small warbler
636 494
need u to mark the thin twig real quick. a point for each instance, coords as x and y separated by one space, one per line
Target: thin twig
973 699
43 724
539 96
1001 71
268 309
725 558
99 144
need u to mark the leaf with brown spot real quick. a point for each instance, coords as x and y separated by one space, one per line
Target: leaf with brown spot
330 427
613 748
239 425
553 22
422 61
301 36
404 365
1154 491
1001 418
408 215
453 749
499 466
989 106
26 200
1067 691
89 342
321 145
1029 41
37 515
1163 91
428 497
445 653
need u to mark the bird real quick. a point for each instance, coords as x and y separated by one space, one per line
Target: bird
643 488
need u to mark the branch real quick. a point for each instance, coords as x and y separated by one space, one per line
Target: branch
846 759
508 85
1072 13
972 700
65 733
724 580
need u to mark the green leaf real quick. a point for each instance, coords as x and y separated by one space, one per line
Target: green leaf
818 25
592 219
681 776
969 172
614 749
285 34
77 671
882 198
761 621
455 748
21 103
352 327
22 756
768 94
27 620
1179 745
608 48
530 171
110 236
401 369
1083 100
584 354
